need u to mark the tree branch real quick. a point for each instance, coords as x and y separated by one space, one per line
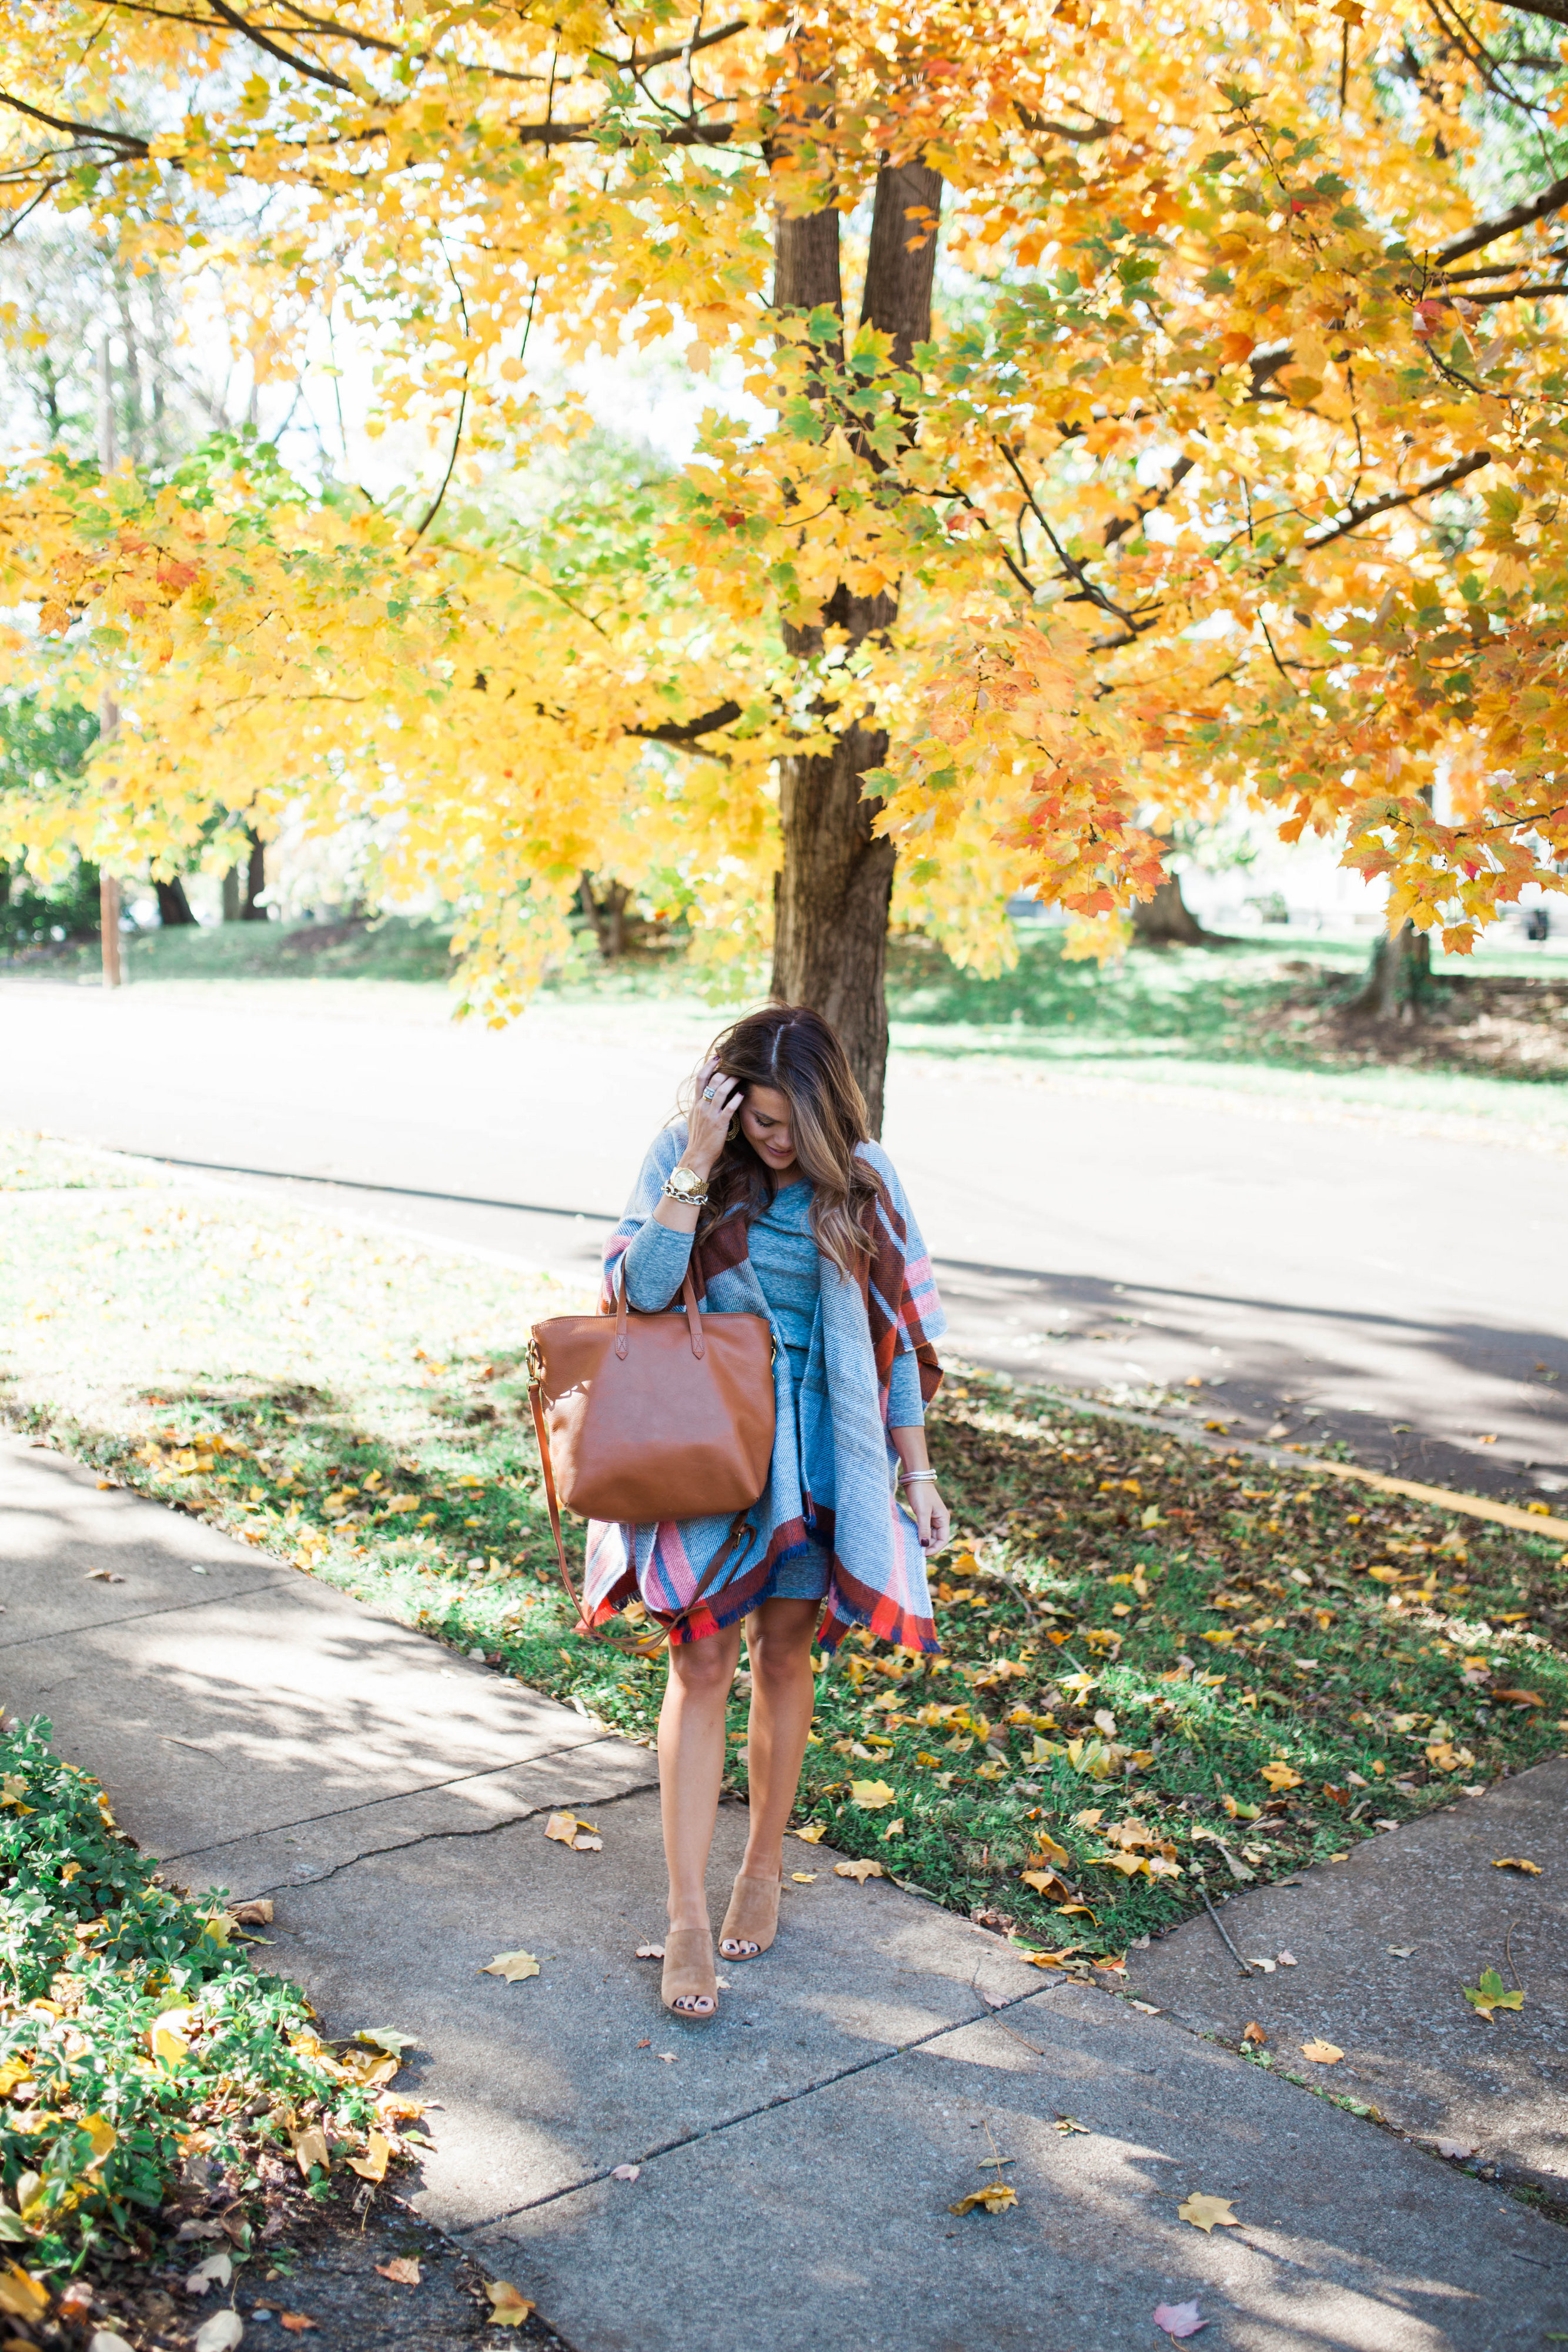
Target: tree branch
687 730
258 39
1356 516
1488 231
127 144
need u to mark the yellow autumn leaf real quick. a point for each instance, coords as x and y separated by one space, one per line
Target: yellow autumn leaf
812 1834
1517 1861
1044 1882
373 2165
994 2198
1322 2054
23 2295
104 2138
858 1870
513 1966
311 2149
507 2307
565 1828
166 2036
1208 2213
1279 1777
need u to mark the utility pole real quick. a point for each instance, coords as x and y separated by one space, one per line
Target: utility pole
107 708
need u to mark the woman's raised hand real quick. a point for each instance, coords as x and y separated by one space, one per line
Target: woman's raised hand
717 1100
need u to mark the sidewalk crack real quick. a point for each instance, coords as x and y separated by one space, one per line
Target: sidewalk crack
766 2107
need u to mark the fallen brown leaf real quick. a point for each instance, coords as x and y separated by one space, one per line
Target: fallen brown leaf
1516 1697
253 1915
858 1870
564 1827
373 2165
995 2198
1253 2033
310 2148
650 1951
402 2270
294 2321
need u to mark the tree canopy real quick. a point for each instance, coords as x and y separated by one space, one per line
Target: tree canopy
1223 452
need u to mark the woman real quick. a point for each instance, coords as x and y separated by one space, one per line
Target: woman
771 1189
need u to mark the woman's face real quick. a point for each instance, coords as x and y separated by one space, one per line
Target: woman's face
765 1123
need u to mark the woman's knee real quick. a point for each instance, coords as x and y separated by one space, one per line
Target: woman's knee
780 1654
703 1667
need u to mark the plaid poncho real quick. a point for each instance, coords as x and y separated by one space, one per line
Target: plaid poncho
833 1470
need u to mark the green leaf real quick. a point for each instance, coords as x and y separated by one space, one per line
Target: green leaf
1490 1994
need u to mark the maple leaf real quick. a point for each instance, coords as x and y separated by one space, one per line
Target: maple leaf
1179 2320
513 1966
858 1870
1490 1995
1208 2213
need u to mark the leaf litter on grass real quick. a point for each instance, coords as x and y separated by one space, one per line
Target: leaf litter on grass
357 1405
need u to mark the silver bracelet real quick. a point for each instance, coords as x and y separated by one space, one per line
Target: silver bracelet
908 1477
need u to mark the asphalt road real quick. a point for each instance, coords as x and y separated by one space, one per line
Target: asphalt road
1320 1275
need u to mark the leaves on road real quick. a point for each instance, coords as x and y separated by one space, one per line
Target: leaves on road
1491 1994
994 2198
812 1834
384 2037
625 2171
1253 2033
257 1914
402 2270
1322 2054
872 1795
1178 2319
859 1870
650 1951
1455 2148
507 2307
297 2322
1517 1861
373 2165
567 1829
1208 2213
513 1966
804 1877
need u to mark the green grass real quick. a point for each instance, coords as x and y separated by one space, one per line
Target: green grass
384 948
139 2048
1133 1629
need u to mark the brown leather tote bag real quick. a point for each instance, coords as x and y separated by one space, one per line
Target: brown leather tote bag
649 1417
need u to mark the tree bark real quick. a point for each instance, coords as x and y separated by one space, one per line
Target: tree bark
834 886
1400 967
255 879
173 906
1166 919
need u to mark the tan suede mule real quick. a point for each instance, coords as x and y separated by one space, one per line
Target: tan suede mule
752 1920
689 1976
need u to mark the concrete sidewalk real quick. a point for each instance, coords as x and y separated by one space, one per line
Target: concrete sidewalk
799 2158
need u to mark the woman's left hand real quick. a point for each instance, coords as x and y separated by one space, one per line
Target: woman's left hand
933 1519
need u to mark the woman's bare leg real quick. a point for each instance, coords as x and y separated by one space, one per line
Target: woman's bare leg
690 1765
778 1636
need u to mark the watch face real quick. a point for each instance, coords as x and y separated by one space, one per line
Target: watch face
686 1176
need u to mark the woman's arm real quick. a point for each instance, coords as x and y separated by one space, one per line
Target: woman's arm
655 1263
932 1518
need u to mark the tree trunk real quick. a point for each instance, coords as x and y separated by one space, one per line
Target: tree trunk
833 889
173 906
255 879
1166 919
1399 970
230 894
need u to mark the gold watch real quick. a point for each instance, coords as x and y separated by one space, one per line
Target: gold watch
685 1185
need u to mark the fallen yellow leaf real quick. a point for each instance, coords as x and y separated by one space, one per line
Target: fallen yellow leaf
1517 1861
995 2198
1322 2054
310 2148
804 1877
373 2165
811 1835
565 1828
103 2135
166 2036
507 2307
22 2294
1046 1850
1208 2213
1279 1775
513 1966
872 1795
859 1870
1044 1882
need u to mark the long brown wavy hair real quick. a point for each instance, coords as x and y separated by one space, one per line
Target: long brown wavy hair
794 1051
